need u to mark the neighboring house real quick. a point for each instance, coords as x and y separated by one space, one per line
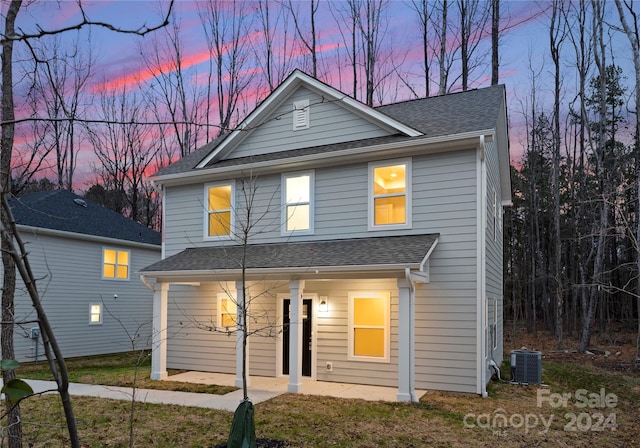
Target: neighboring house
380 229
85 259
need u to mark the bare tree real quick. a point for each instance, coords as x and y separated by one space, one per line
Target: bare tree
474 16
227 34
308 38
630 28
495 41
172 99
275 52
423 11
440 23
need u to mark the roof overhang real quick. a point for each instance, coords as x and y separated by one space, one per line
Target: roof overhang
30 230
172 269
414 146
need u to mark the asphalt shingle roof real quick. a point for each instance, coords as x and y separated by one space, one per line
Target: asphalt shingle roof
454 113
59 210
393 250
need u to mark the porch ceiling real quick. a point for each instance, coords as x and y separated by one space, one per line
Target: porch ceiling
343 258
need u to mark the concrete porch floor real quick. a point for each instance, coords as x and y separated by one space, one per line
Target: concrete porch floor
263 388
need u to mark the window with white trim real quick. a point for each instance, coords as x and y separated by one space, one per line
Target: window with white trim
227 311
369 325
390 194
219 217
297 207
115 264
95 314
300 115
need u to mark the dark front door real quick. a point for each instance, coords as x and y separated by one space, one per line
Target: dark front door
306 337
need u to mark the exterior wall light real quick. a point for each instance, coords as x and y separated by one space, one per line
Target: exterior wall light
324 304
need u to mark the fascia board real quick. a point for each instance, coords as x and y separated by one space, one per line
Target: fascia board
439 143
30 230
297 79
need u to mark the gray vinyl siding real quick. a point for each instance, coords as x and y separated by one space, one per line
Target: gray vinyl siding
494 247
69 273
443 202
329 123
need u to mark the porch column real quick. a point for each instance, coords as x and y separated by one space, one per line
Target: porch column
406 336
295 337
159 332
240 299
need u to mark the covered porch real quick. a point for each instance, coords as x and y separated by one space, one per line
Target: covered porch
402 261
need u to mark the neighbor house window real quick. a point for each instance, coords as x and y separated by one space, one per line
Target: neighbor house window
219 213
95 314
390 194
369 323
115 264
297 213
227 311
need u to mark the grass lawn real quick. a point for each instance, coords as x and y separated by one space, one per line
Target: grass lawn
513 415
117 370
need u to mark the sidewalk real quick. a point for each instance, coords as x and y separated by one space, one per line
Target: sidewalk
260 389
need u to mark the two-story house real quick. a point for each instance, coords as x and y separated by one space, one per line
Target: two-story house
84 257
373 249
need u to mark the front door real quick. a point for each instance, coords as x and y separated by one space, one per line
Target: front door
306 336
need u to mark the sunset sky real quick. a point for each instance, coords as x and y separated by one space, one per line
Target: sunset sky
524 48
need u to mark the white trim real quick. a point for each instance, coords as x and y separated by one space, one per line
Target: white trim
407 195
98 313
84 237
206 211
301 115
382 295
481 225
422 146
284 204
294 81
116 264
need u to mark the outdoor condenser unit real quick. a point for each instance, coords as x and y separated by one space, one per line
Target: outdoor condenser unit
526 367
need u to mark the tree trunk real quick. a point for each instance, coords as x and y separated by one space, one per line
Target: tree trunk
14 430
495 41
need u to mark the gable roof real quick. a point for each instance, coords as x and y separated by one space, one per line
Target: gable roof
293 82
307 258
64 211
437 117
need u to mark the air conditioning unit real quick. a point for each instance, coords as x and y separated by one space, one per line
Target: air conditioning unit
526 367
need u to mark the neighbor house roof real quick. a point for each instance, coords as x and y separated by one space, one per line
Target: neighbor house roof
438 116
64 211
309 257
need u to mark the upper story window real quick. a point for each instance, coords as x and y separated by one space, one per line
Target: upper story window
115 264
218 213
369 326
297 207
300 115
390 194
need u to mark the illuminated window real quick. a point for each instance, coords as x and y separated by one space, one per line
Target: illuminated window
369 322
297 214
115 264
227 311
219 213
95 314
390 195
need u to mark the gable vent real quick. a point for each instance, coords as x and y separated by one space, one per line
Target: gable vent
300 115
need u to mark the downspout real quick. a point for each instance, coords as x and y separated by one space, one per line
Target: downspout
146 283
481 274
412 329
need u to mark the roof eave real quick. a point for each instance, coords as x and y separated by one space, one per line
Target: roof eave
437 144
85 237
302 273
